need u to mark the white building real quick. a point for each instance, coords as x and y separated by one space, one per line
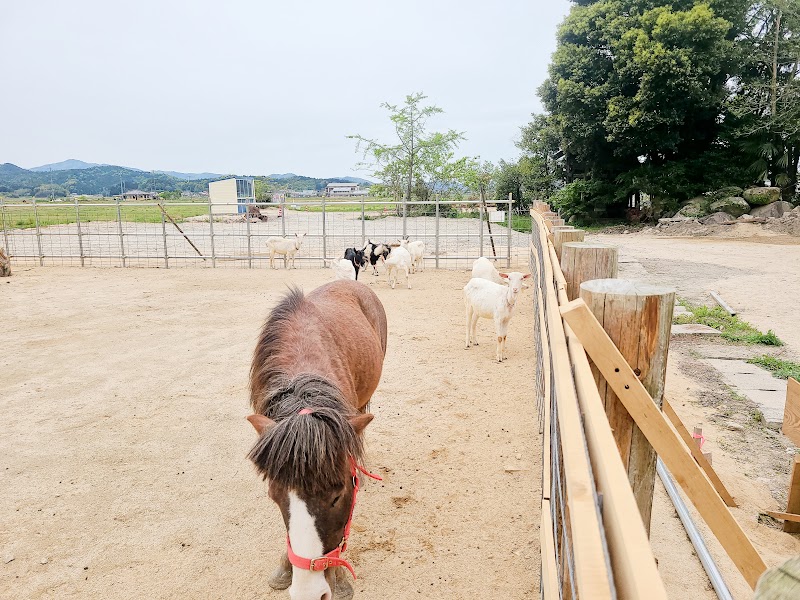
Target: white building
344 189
231 196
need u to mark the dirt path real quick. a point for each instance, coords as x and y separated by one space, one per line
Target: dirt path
124 442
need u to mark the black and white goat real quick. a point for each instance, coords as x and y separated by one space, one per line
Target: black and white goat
373 253
356 257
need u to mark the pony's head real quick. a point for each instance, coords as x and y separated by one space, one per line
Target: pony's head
306 447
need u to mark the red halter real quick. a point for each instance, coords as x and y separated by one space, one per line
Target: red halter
332 558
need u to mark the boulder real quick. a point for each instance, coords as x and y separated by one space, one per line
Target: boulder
717 218
694 209
734 206
760 196
773 209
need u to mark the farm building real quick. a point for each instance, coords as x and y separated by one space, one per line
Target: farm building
231 196
138 196
344 189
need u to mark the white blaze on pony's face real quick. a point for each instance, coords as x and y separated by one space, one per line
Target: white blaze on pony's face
306 585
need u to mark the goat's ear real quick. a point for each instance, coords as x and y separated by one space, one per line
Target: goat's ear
360 422
261 423
504 275
526 276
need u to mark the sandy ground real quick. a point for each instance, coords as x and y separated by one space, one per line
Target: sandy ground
761 279
124 440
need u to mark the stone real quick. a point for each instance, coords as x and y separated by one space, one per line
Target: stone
44 561
717 218
694 329
734 426
773 209
695 208
734 206
760 196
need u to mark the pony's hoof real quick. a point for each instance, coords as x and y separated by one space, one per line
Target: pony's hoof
281 579
344 589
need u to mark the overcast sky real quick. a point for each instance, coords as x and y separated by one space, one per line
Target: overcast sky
258 87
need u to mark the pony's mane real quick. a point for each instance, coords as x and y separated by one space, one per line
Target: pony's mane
306 452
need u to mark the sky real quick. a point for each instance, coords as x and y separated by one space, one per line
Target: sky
258 87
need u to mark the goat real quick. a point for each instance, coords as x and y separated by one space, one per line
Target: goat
491 300
416 249
373 252
356 257
288 247
399 259
484 269
342 268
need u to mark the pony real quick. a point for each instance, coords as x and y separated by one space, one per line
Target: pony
316 364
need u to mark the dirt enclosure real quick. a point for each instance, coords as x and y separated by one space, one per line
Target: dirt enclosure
124 441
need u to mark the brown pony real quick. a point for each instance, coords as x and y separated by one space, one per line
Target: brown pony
316 365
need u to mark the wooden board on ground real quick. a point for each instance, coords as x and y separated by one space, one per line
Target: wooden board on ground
665 441
782 516
791 413
793 503
697 454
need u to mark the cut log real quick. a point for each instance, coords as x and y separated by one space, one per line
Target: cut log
793 502
781 582
562 236
584 261
791 412
637 318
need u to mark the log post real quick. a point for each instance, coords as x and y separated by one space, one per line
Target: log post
584 261
560 236
638 318
553 222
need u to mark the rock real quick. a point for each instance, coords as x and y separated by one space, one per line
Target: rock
761 196
726 192
734 426
8 558
695 208
44 561
734 206
796 210
773 209
717 218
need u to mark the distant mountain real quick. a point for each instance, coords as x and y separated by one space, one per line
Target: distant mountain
357 180
279 176
65 165
191 176
10 169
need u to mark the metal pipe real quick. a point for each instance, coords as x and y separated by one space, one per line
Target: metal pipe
324 232
711 569
509 230
211 234
121 235
249 242
437 232
164 236
38 233
363 225
78 223
5 226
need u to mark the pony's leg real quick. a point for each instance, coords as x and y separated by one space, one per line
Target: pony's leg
343 589
281 577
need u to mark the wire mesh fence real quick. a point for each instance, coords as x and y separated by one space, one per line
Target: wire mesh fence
180 234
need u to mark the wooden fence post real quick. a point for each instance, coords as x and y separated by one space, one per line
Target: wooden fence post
584 261
638 319
793 503
561 236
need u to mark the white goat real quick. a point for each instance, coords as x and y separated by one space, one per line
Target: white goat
399 259
491 300
416 249
288 247
342 268
484 269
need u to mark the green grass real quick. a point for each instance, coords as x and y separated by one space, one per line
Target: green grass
24 217
521 223
732 328
782 369
335 205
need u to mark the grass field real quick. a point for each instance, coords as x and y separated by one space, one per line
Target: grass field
52 213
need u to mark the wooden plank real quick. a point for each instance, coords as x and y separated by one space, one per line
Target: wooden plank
718 299
549 582
782 516
665 441
793 503
635 570
591 573
791 413
697 454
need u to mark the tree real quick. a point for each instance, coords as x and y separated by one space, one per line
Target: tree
405 161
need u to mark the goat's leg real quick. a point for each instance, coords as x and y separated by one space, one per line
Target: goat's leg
271 258
474 328
281 577
408 281
468 323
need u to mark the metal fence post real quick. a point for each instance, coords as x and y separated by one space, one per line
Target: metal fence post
405 214
480 235
249 242
164 236
80 237
363 225
5 226
211 232
121 235
38 233
324 233
509 230
283 215
437 232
